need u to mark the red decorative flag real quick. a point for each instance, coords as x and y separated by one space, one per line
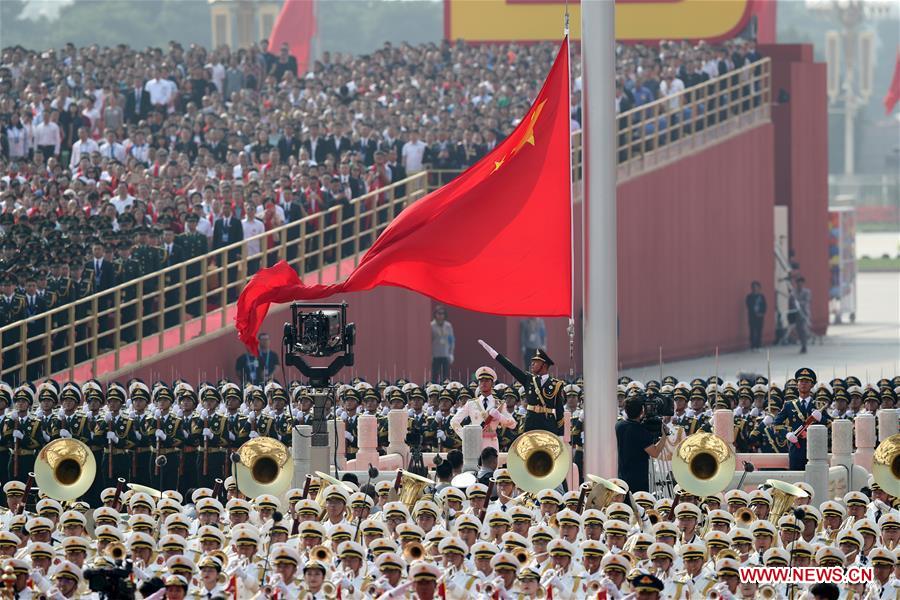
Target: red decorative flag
893 94
296 25
497 239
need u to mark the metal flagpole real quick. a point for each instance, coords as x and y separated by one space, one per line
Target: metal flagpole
598 50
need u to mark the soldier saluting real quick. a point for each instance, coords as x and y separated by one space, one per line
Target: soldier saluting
544 398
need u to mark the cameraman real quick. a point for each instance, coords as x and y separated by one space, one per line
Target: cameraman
636 445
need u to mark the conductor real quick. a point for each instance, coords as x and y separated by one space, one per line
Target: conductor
544 397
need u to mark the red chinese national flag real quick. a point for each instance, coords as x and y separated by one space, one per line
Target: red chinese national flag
296 25
893 94
497 239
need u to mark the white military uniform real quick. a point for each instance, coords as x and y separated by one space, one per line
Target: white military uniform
479 411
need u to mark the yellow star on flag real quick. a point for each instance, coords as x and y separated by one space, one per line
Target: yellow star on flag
528 136
498 164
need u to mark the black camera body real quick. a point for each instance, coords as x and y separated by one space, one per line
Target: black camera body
319 330
112 583
657 406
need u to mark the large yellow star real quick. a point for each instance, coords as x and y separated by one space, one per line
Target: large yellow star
528 135
498 164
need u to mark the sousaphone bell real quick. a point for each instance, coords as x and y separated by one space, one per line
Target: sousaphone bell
538 460
262 467
703 464
600 492
886 465
65 469
784 495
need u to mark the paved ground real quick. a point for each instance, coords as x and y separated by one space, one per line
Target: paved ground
870 345
876 245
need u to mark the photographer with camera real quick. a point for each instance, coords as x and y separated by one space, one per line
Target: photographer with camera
637 444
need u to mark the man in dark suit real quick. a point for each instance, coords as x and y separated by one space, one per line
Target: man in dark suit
756 314
35 305
343 143
103 275
173 254
137 102
318 147
227 230
289 144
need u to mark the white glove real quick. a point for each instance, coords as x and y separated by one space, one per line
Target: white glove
791 437
253 434
18 434
441 436
411 412
348 436
450 359
64 433
204 414
230 436
495 414
297 414
112 437
161 435
817 415
138 435
488 349
754 412
207 433
768 420
46 437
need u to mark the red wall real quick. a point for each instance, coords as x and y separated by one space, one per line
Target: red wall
801 164
692 236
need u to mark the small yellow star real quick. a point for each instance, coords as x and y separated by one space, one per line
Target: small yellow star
498 164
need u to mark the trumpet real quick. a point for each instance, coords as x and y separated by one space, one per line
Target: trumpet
321 553
523 557
413 551
492 586
115 551
593 587
744 516
766 592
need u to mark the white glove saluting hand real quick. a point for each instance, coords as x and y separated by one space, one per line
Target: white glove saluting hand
161 435
488 349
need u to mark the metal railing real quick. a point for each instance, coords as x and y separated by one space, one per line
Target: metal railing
657 133
126 323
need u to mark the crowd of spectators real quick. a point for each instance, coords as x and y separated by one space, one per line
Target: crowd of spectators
105 149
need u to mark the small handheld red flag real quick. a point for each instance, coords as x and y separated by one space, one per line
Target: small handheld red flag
497 239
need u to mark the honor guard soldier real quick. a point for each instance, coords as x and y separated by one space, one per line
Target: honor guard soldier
142 433
350 399
576 433
419 420
795 414
48 398
237 429
167 440
191 433
12 310
215 444
21 432
282 426
545 401
115 430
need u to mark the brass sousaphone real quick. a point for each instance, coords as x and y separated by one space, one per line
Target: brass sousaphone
65 469
262 467
703 464
886 465
600 492
412 487
784 495
538 460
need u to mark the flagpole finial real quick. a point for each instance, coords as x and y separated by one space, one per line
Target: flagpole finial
566 25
